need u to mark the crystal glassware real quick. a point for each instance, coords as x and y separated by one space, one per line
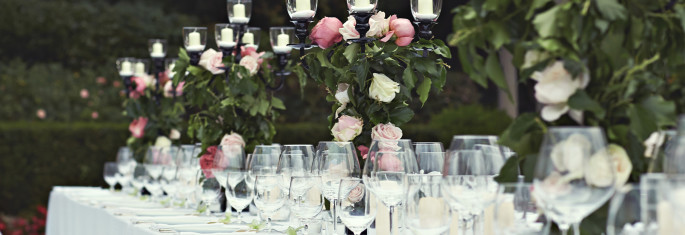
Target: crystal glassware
227 158
426 211
434 147
125 164
239 11
268 196
210 194
305 199
251 38
139 177
225 35
239 193
110 171
515 211
625 213
333 167
426 10
356 207
280 38
362 6
195 38
302 9
574 174
431 162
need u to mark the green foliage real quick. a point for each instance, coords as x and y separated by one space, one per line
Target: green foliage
468 120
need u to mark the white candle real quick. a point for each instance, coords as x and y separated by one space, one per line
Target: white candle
425 10
239 11
194 43
282 44
140 68
126 69
303 5
248 38
157 50
362 6
227 38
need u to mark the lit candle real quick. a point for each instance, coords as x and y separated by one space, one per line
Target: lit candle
282 44
194 42
140 68
227 38
126 69
425 10
157 50
362 6
248 38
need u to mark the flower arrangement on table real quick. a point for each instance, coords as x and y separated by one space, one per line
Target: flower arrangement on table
227 98
597 63
156 112
371 89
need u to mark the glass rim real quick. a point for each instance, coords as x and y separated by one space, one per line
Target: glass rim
157 40
281 27
193 27
474 136
298 145
254 29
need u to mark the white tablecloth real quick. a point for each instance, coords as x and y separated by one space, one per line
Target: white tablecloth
77 210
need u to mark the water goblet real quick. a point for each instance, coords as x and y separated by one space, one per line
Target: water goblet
268 196
110 171
239 193
356 207
426 211
305 198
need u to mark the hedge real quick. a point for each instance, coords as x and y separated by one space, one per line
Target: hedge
34 156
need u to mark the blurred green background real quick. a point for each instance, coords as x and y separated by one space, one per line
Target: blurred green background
61 114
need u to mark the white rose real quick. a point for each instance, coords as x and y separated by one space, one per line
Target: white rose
342 96
383 88
377 24
555 85
348 30
175 134
568 155
600 172
534 57
655 140
162 141
251 64
150 81
622 164
232 139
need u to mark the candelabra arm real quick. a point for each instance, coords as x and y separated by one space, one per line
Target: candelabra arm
363 28
127 85
195 57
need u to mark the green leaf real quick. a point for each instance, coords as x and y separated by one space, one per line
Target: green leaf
277 103
536 4
611 9
409 77
226 219
352 52
442 49
494 71
498 34
582 101
651 115
423 90
401 115
293 231
509 172
545 22
524 134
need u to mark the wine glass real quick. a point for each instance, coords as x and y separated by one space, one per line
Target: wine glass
274 149
126 163
306 200
426 211
431 162
467 185
625 217
268 196
226 159
210 194
261 164
422 147
574 175
469 142
334 166
385 175
356 207
515 211
325 147
239 193
650 185
289 165
139 177
110 171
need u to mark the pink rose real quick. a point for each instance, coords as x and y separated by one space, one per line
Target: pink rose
116 84
84 93
233 139
95 115
212 61
348 30
363 150
326 33
251 51
141 84
207 162
402 29
390 162
168 89
137 127
251 64
101 80
356 194
386 132
347 128
40 113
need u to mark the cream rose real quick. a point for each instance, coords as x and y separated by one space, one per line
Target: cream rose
162 142
232 139
567 155
607 164
622 164
348 30
251 64
342 96
383 88
347 128
377 25
555 85
212 61
174 134
386 132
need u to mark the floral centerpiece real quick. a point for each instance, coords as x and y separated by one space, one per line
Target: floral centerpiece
372 89
229 99
156 113
610 64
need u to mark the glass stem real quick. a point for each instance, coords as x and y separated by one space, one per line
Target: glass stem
576 228
564 228
335 216
268 225
306 229
111 188
240 216
391 211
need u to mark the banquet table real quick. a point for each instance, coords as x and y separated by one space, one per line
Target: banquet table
91 210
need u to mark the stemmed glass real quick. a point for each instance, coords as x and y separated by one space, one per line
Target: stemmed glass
227 158
139 177
296 160
356 207
431 163
625 215
574 175
426 211
515 211
334 166
422 147
210 194
110 171
469 142
261 164
467 186
126 163
385 174
239 193
274 149
268 196
305 198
